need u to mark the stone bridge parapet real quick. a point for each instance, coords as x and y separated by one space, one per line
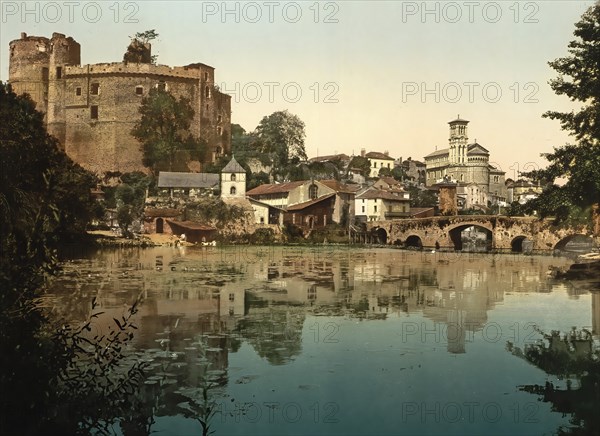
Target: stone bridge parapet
444 231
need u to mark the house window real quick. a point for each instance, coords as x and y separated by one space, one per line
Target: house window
313 191
95 90
262 219
232 178
219 118
78 91
59 72
161 86
94 112
139 90
232 191
375 208
205 75
231 297
363 209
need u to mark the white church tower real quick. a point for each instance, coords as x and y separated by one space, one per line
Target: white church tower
233 180
458 141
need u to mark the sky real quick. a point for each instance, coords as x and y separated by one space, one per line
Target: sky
379 75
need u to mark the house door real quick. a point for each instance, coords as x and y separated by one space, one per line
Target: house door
159 225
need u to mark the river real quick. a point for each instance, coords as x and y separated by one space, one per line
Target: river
334 340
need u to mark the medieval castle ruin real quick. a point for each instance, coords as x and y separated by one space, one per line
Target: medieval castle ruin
91 109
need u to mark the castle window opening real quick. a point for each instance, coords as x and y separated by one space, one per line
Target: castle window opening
205 75
78 91
232 178
162 86
59 72
139 90
207 91
219 130
94 112
232 191
95 89
44 73
219 118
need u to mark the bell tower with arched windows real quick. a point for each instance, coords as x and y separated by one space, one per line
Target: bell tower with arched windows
233 180
458 141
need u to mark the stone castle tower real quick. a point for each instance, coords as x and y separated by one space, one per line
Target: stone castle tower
91 109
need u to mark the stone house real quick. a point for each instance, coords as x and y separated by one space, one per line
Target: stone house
285 195
374 204
155 219
378 161
311 214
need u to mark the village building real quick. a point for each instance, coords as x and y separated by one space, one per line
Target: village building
378 161
468 165
91 109
305 201
376 204
522 190
415 171
233 180
188 185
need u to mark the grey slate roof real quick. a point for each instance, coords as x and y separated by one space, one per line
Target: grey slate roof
167 179
233 167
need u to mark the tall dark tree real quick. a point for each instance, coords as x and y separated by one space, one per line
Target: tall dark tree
163 130
579 163
281 137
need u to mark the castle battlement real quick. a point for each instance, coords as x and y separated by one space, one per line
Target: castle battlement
128 68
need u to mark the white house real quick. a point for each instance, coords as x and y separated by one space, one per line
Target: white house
233 180
377 204
379 161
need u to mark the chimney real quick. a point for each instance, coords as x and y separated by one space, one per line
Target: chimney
387 153
363 152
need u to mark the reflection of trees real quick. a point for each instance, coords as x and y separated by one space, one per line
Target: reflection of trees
571 357
275 332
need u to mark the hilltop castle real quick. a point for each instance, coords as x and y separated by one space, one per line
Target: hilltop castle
91 109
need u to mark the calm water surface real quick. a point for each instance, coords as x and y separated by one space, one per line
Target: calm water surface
333 341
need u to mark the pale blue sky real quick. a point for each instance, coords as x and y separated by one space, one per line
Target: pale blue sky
373 62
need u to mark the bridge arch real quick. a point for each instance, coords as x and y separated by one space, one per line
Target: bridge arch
382 235
519 244
455 235
576 242
413 241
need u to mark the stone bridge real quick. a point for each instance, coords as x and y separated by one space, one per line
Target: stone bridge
503 233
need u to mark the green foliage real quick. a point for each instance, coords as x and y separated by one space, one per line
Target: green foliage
257 179
281 137
213 210
163 130
332 233
385 172
398 173
44 198
362 163
293 233
262 236
137 48
579 79
421 197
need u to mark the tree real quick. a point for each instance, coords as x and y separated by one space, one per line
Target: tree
362 163
163 130
44 198
421 197
281 136
138 50
579 79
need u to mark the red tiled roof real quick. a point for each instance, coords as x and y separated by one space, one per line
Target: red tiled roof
304 205
275 188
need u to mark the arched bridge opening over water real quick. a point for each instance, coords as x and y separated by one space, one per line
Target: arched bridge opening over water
501 233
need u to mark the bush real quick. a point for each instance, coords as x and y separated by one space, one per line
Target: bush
263 236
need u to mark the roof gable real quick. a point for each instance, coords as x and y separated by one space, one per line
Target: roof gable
168 179
233 167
